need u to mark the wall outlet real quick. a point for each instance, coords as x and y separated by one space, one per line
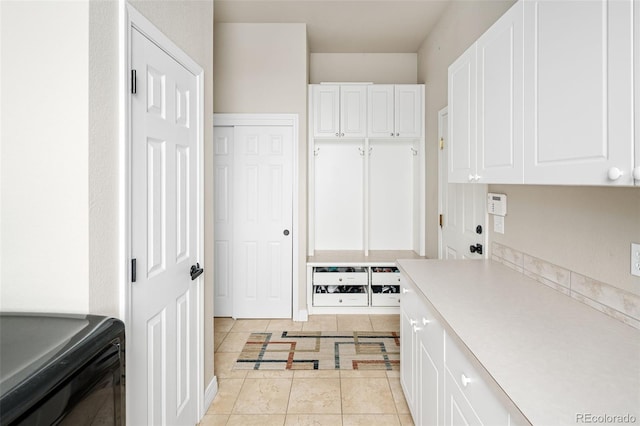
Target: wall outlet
635 259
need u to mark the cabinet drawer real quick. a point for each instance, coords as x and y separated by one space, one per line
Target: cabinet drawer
340 276
385 275
482 397
341 299
385 299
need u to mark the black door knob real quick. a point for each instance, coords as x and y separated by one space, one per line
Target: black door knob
479 229
196 271
286 232
476 249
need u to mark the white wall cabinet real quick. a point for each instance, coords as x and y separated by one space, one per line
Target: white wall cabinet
339 110
579 97
440 382
546 96
485 106
394 111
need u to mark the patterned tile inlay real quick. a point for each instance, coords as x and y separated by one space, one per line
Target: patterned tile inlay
617 303
316 350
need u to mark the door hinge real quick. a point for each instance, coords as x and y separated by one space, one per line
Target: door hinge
441 143
133 270
441 220
134 83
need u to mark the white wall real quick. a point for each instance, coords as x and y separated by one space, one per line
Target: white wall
585 229
380 68
262 68
44 150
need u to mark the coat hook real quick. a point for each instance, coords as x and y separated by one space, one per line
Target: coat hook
413 151
316 152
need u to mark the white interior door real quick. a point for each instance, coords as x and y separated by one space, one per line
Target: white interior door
461 206
262 224
223 221
161 374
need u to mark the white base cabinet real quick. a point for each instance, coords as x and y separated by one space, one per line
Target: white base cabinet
442 384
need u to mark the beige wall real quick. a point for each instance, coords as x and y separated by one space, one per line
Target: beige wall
44 151
189 24
584 229
262 68
380 68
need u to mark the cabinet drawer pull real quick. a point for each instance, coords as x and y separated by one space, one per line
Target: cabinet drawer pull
465 380
425 321
416 329
405 291
413 322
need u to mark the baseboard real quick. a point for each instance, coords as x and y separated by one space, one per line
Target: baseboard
301 315
209 395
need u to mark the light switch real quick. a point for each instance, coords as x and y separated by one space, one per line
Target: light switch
498 224
635 259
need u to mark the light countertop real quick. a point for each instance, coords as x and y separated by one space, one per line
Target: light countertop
553 356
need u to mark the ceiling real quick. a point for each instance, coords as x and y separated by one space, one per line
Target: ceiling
335 26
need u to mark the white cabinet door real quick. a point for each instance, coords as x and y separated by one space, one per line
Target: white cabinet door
326 110
458 411
381 111
578 92
499 100
430 364
353 111
408 111
462 118
408 339
636 70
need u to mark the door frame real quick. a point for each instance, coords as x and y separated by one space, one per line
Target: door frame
442 165
291 120
130 19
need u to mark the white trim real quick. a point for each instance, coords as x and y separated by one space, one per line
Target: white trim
444 111
130 18
279 120
209 395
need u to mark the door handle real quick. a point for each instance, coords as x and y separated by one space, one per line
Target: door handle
196 271
285 232
476 249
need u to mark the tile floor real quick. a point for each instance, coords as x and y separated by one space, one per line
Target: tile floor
321 397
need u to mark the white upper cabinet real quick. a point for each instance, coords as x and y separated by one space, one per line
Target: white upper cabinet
485 106
395 111
462 118
499 100
579 92
636 68
339 110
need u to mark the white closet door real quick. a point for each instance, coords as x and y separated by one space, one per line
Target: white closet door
391 166
339 174
263 206
223 221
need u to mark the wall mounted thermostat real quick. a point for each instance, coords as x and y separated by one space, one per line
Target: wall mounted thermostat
497 204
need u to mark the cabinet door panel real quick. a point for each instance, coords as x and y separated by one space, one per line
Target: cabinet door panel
408 111
500 104
353 111
339 174
326 110
462 117
381 111
578 99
